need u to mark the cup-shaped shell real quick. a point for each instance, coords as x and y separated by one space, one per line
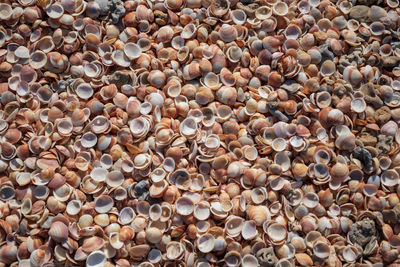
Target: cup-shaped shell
96 259
292 31
120 58
280 8
358 105
249 230
38 59
352 75
103 204
219 8
249 261
258 195
184 206
63 192
390 178
174 250
73 207
259 214
328 68
153 235
276 232
188 31
205 243
377 28
132 50
58 232
99 174
45 44
126 215
350 254
234 54
263 12
228 33
181 179
188 127
55 11
7 193
202 210
115 178
233 259
84 91
6 11
310 200
211 80
393 3
238 16
155 212
370 190
174 90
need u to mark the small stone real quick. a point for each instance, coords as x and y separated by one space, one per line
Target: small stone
360 13
120 78
382 115
321 36
364 156
376 13
390 216
7 97
368 139
248 7
326 53
266 257
384 143
103 6
371 95
161 18
390 62
362 232
141 188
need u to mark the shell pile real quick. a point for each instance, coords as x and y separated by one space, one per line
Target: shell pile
199 133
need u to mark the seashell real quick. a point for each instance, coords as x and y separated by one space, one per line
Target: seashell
185 206
114 178
103 203
227 33
58 232
96 259
328 68
280 8
153 235
276 232
321 250
259 214
219 8
249 260
205 243
6 11
350 254
389 178
233 258
39 257
303 259
132 50
263 12
377 28
84 91
174 250
249 230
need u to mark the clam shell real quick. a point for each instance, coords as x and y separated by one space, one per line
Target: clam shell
205 243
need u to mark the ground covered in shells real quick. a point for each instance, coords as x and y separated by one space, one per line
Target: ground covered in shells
199 133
